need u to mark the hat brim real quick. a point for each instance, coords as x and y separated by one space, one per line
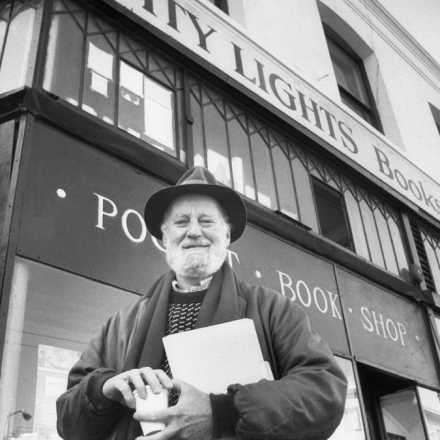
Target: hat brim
228 198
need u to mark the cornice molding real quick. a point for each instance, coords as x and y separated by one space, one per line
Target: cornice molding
419 56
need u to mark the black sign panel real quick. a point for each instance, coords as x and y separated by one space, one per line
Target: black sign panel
82 212
386 329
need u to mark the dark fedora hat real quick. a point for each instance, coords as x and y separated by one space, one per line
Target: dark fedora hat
196 180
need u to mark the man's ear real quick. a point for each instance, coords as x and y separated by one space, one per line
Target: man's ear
228 236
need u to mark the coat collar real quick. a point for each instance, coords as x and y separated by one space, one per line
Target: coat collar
222 303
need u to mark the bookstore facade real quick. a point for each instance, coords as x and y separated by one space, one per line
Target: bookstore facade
115 100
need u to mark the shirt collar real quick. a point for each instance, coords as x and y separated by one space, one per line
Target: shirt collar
203 285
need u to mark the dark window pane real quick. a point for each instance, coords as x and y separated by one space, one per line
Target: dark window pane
348 73
331 214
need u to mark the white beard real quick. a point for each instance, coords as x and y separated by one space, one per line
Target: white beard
196 264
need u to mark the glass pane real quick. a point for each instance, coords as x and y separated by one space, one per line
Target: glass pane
263 172
99 77
350 103
371 232
387 242
17 48
241 160
285 185
348 73
146 109
331 214
401 416
351 427
217 144
357 227
7 130
159 116
197 131
430 402
43 341
399 248
65 58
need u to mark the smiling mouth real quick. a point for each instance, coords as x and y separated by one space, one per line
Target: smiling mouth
196 246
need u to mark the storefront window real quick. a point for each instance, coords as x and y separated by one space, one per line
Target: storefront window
52 316
92 65
401 416
16 28
351 427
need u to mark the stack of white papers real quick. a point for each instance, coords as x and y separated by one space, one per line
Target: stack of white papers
212 358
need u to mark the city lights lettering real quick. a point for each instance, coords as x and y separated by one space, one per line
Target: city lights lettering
384 327
283 92
417 189
244 61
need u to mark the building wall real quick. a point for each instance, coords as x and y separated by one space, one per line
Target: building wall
259 91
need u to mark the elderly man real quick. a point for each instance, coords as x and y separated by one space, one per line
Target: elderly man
196 220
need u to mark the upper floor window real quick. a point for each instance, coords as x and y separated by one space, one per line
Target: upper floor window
221 4
93 66
266 166
352 79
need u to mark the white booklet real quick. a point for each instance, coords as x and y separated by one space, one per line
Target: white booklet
212 358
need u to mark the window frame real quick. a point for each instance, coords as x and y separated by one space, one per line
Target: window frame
221 4
370 109
316 182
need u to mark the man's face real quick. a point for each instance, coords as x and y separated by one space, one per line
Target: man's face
195 236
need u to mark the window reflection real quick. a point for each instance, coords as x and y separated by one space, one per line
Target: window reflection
401 416
430 402
90 64
351 427
52 316
146 108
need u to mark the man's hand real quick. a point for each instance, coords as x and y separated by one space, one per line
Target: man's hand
118 387
191 418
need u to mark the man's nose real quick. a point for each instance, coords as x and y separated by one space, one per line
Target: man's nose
194 229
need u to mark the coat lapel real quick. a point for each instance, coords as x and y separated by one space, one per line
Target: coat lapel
146 348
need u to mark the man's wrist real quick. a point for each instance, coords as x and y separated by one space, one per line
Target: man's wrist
224 415
94 390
